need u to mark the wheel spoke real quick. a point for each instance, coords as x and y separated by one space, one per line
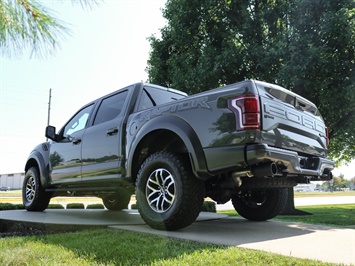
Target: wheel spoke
160 190
30 189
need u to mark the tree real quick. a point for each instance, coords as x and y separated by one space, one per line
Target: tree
28 25
304 45
340 182
319 65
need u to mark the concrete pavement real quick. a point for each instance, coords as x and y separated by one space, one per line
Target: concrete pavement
322 243
87 217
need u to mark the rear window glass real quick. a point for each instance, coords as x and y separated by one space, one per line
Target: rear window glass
292 100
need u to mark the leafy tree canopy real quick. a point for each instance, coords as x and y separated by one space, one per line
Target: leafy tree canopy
306 46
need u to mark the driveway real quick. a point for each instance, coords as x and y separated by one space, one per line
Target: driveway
322 243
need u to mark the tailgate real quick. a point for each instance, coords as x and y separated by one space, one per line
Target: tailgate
291 122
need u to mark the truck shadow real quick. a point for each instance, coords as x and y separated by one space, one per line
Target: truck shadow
233 231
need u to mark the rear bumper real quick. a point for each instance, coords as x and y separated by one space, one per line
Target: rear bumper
315 166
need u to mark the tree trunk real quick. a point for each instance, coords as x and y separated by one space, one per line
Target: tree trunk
290 205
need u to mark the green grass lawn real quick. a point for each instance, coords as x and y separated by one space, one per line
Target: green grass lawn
324 194
116 247
340 215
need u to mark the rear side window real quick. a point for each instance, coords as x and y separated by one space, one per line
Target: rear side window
110 108
154 96
145 102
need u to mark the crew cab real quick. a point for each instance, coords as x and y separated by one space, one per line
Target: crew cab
247 142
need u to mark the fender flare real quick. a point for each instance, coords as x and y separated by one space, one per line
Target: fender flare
183 130
42 168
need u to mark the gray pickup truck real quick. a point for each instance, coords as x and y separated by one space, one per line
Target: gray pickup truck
247 142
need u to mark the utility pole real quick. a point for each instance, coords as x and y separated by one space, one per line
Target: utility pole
49 107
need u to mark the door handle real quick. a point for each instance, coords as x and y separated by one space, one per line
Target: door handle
112 131
76 141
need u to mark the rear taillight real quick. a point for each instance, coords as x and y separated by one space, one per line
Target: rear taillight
247 111
327 136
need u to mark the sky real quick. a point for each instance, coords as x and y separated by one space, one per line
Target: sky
107 50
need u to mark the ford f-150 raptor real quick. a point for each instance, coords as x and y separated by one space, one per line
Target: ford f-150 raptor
247 142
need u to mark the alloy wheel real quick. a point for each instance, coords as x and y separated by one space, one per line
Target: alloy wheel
160 190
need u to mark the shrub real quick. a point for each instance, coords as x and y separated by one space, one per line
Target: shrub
95 206
55 206
19 206
209 206
134 206
7 206
75 206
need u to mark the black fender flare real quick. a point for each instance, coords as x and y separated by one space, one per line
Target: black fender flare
42 166
183 130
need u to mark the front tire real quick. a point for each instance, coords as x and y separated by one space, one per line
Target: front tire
34 197
169 196
260 205
118 201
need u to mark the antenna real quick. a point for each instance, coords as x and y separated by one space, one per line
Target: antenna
49 107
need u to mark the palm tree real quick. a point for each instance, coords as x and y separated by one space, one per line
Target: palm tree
27 25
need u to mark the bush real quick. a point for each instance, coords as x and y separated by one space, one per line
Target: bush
95 206
209 206
7 206
75 206
134 206
11 206
19 206
55 206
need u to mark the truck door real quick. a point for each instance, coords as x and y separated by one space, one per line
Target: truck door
65 155
102 142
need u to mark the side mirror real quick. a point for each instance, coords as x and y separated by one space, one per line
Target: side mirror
50 133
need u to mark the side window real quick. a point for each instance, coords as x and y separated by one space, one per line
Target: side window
110 108
145 102
78 122
154 96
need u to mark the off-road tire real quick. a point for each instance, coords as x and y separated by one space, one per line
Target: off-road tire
260 205
181 194
118 201
34 197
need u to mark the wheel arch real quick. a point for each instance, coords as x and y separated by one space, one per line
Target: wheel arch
36 160
166 133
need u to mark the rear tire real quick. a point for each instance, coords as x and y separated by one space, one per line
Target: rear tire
260 205
169 196
34 197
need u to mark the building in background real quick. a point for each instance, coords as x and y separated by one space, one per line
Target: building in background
13 181
305 187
